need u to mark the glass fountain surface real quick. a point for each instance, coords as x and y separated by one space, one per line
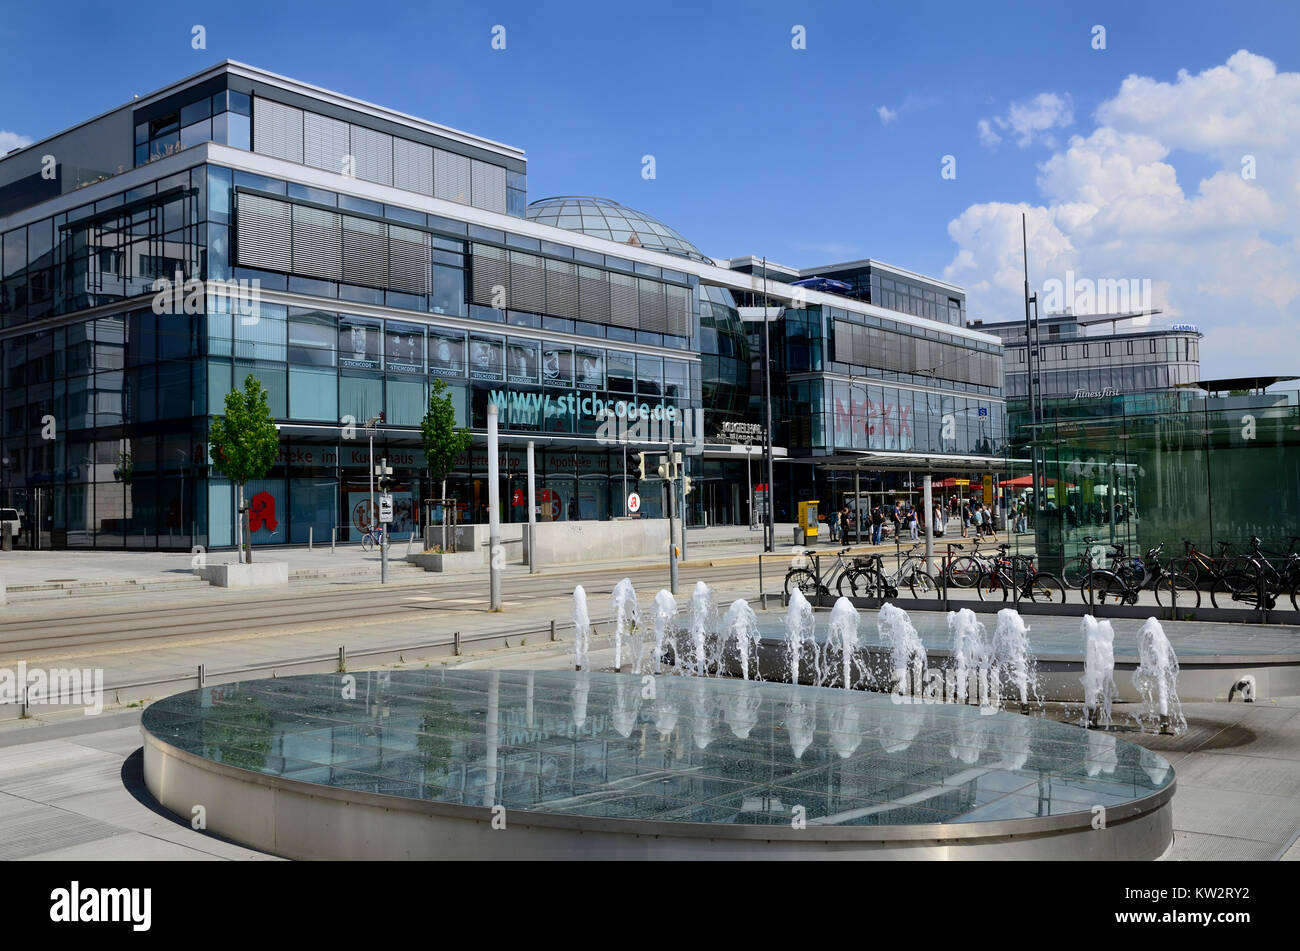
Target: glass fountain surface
701 750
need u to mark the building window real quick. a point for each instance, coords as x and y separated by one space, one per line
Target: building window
1107 349
1130 347
1153 346
1065 353
1085 351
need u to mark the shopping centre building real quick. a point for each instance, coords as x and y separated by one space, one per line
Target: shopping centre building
347 256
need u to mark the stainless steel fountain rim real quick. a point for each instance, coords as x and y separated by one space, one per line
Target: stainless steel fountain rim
990 830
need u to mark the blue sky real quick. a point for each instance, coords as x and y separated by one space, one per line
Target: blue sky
759 148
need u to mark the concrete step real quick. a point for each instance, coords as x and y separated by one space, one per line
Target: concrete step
99 588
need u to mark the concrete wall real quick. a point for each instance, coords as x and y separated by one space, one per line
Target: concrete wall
565 542
245 576
561 543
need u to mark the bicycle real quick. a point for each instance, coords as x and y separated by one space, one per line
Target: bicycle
965 570
864 573
1255 581
1015 575
1119 586
909 572
1076 571
1196 561
372 537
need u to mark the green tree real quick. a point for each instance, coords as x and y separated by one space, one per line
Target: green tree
443 440
245 443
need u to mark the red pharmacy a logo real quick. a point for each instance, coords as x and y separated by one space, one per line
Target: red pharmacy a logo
261 511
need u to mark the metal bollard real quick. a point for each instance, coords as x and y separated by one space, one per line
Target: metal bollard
333 537
201 677
343 659
455 643
552 629
310 530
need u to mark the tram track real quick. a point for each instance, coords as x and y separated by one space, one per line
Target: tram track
177 622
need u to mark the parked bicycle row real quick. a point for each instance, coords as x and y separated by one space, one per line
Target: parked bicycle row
1257 579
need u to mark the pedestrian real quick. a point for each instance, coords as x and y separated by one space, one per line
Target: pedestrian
913 528
938 521
833 524
965 518
877 525
847 523
896 516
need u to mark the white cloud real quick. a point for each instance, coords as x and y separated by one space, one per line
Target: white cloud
1030 121
886 114
988 138
1222 252
12 140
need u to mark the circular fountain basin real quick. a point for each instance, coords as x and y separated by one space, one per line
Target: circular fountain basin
480 764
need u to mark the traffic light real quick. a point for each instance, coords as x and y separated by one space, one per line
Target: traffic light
664 472
686 485
640 466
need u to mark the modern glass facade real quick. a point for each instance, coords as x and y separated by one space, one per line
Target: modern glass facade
1073 365
896 289
348 258
1164 467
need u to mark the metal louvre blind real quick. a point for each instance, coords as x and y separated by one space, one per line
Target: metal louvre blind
410 260
451 176
527 282
365 252
561 289
622 300
277 130
654 316
317 243
593 294
488 186
262 233
490 269
373 152
325 142
679 310
413 166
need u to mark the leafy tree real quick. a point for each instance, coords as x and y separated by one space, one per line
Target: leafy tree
443 440
245 443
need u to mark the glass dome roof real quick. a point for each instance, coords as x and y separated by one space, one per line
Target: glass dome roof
603 218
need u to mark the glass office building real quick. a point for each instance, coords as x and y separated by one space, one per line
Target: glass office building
1077 362
348 256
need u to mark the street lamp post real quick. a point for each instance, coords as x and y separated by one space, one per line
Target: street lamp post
769 534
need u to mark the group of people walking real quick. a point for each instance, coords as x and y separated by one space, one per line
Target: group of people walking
975 519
